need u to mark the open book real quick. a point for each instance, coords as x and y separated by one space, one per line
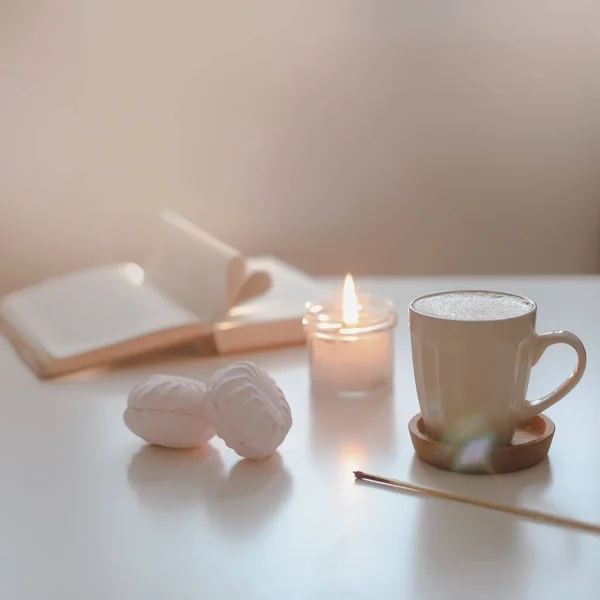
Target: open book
191 288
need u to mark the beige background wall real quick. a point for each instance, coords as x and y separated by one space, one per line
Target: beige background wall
383 136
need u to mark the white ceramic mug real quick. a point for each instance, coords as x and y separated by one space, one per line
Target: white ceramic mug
472 375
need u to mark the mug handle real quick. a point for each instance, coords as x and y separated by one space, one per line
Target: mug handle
542 343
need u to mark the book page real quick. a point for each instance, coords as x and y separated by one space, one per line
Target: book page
91 309
272 319
199 272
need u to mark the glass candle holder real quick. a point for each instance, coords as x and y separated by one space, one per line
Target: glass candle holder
351 357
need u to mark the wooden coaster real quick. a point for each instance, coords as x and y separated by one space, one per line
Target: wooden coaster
530 444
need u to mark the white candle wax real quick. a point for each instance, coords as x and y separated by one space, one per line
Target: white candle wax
351 344
352 362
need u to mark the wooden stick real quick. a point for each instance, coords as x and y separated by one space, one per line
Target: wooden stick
521 512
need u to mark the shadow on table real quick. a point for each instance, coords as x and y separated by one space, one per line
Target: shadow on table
170 479
239 502
249 496
475 548
521 488
365 422
463 547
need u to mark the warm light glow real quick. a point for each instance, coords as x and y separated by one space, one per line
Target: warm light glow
352 458
349 302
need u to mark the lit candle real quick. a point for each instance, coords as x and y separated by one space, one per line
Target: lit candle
351 346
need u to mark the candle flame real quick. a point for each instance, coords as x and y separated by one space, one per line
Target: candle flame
349 302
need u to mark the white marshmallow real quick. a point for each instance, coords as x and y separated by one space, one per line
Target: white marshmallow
168 411
247 409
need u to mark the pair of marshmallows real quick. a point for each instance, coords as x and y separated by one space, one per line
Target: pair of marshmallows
241 404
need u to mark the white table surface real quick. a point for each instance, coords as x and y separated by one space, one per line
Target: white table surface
88 511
